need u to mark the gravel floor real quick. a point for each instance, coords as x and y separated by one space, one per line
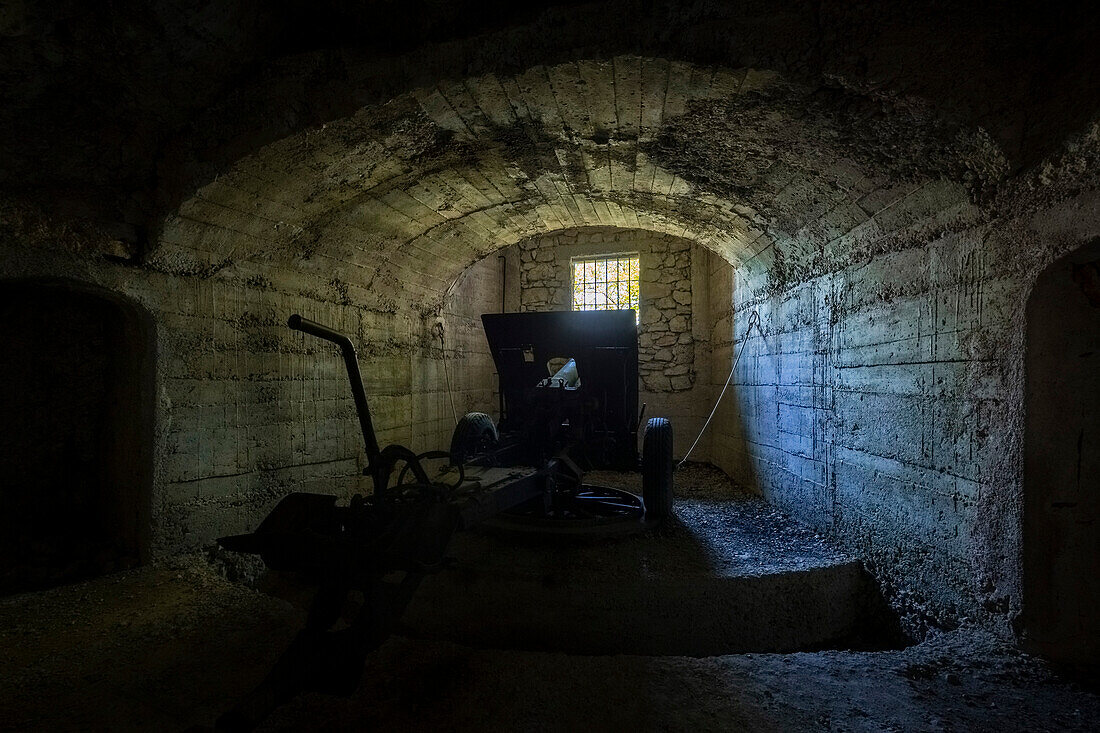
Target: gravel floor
170 647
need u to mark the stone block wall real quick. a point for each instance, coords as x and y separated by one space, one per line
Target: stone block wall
673 314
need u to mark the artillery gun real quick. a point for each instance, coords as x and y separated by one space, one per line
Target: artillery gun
569 403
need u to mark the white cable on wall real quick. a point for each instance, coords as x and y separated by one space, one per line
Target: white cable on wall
754 320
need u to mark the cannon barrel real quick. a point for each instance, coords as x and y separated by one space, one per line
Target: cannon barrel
567 376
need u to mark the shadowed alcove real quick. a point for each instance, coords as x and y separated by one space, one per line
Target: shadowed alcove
1062 461
78 432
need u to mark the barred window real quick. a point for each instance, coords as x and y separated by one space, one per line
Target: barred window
606 283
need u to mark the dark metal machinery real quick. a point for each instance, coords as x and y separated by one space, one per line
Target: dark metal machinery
592 403
372 554
569 401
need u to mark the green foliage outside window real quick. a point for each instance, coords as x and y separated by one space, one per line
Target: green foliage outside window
606 283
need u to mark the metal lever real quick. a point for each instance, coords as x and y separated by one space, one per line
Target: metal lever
370 440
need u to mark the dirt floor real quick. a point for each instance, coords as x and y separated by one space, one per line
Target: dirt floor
172 646
728 574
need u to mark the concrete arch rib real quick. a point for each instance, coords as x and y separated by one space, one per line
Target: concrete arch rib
403 196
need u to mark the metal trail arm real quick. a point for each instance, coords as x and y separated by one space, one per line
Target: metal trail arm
370 440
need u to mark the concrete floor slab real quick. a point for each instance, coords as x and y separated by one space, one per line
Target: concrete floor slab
729 574
171 648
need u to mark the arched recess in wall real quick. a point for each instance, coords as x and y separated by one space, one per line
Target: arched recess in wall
1062 461
76 461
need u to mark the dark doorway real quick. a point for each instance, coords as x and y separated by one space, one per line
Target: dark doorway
1062 461
75 451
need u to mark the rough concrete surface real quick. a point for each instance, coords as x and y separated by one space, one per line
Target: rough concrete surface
728 574
172 647
883 182
883 403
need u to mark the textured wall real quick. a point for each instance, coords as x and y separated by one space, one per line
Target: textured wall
470 364
118 113
249 410
674 313
884 405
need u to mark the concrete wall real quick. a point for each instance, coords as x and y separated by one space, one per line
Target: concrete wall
884 406
248 410
674 313
478 290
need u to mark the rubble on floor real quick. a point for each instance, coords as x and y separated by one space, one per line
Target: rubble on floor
172 646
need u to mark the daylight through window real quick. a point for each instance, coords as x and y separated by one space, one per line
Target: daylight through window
606 283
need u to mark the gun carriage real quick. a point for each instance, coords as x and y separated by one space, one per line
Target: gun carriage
568 404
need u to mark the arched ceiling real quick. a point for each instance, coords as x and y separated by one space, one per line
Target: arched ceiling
117 114
397 199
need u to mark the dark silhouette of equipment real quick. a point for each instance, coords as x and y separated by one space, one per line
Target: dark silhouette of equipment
527 476
569 402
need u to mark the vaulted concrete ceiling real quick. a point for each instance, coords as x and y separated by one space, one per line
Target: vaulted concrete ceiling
395 201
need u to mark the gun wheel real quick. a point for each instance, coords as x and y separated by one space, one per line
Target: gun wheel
657 468
474 435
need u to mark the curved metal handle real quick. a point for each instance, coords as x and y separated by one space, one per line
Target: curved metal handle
316 329
351 362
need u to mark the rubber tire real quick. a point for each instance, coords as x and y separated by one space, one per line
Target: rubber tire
474 433
657 468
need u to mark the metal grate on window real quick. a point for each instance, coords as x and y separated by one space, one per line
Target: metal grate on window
606 283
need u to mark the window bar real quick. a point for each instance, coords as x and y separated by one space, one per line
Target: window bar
606 283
